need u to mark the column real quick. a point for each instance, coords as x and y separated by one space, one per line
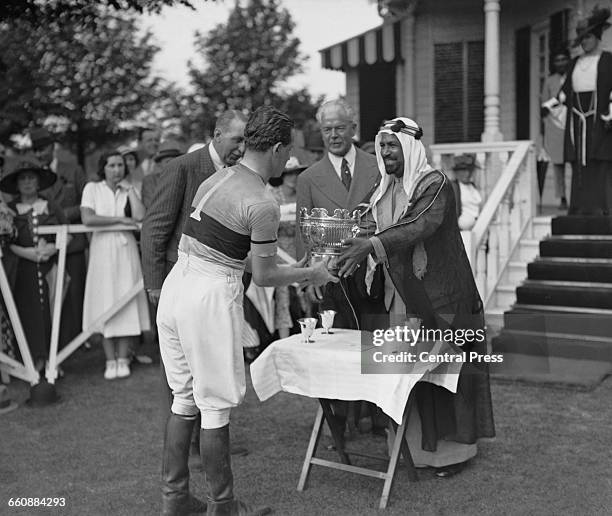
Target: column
492 57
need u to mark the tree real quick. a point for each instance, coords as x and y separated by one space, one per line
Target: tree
44 11
247 58
93 78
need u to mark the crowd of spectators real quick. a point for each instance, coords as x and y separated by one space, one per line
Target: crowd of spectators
42 187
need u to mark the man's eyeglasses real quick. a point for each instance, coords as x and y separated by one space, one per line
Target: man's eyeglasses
399 126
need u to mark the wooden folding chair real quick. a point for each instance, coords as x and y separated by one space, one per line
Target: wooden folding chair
400 445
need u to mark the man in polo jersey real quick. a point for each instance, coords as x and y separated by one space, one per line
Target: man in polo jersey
233 226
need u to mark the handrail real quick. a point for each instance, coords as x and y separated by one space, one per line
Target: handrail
82 228
500 190
476 147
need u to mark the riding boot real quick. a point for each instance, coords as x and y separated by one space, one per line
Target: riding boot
176 500
215 454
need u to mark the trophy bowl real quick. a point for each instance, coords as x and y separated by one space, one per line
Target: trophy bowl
323 234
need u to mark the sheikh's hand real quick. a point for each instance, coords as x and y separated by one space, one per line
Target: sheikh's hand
357 252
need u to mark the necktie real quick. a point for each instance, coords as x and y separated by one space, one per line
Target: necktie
345 172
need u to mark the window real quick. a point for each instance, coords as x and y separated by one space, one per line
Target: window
459 91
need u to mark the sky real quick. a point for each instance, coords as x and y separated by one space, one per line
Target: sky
318 24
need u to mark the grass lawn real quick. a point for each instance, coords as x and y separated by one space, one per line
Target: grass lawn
100 448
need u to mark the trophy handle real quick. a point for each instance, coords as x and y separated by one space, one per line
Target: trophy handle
355 231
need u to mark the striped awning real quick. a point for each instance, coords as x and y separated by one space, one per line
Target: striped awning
379 45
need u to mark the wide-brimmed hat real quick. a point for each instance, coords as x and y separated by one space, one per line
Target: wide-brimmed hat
294 166
168 149
464 162
41 138
6 403
597 21
128 149
19 164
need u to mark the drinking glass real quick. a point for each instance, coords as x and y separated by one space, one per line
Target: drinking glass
307 326
327 320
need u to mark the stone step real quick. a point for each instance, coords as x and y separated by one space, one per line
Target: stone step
581 225
591 322
552 344
565 293
571 269
577 246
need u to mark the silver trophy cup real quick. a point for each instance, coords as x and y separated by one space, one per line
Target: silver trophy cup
323 234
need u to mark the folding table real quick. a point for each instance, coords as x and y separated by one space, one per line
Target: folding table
330 368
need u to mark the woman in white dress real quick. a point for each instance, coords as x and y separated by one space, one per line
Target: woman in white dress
114 263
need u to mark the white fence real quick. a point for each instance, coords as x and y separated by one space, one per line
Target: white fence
507 180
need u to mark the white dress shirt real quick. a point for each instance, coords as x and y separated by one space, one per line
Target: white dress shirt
216 159
336 161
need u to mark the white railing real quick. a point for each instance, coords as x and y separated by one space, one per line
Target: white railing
508 183
26 370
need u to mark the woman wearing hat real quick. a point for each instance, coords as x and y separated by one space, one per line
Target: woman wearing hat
587 94
35 255
284 191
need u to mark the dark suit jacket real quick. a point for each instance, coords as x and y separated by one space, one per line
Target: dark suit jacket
171 205
320 187
149 187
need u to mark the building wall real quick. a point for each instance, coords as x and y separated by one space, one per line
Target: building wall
352 93
441 21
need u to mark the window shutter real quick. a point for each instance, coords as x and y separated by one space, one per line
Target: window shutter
459 91
448 92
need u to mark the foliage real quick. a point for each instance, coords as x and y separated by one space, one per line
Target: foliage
93 78
43 11
246 61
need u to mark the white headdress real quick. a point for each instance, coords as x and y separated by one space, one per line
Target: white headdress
415 158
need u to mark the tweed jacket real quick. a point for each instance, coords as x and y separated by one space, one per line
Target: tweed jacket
431 219
170 206
149 187
320 187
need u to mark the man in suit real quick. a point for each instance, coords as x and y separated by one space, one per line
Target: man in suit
168 150
148 145
161 232
344 178
428 283
66 192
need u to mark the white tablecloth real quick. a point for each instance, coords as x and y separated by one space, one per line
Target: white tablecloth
330 367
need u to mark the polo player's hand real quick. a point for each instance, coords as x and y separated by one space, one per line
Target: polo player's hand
301 263
358 250
321 275
313 294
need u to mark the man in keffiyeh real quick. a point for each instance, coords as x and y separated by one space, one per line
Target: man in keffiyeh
428 282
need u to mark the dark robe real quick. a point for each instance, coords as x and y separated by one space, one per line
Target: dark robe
591 182
446 297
